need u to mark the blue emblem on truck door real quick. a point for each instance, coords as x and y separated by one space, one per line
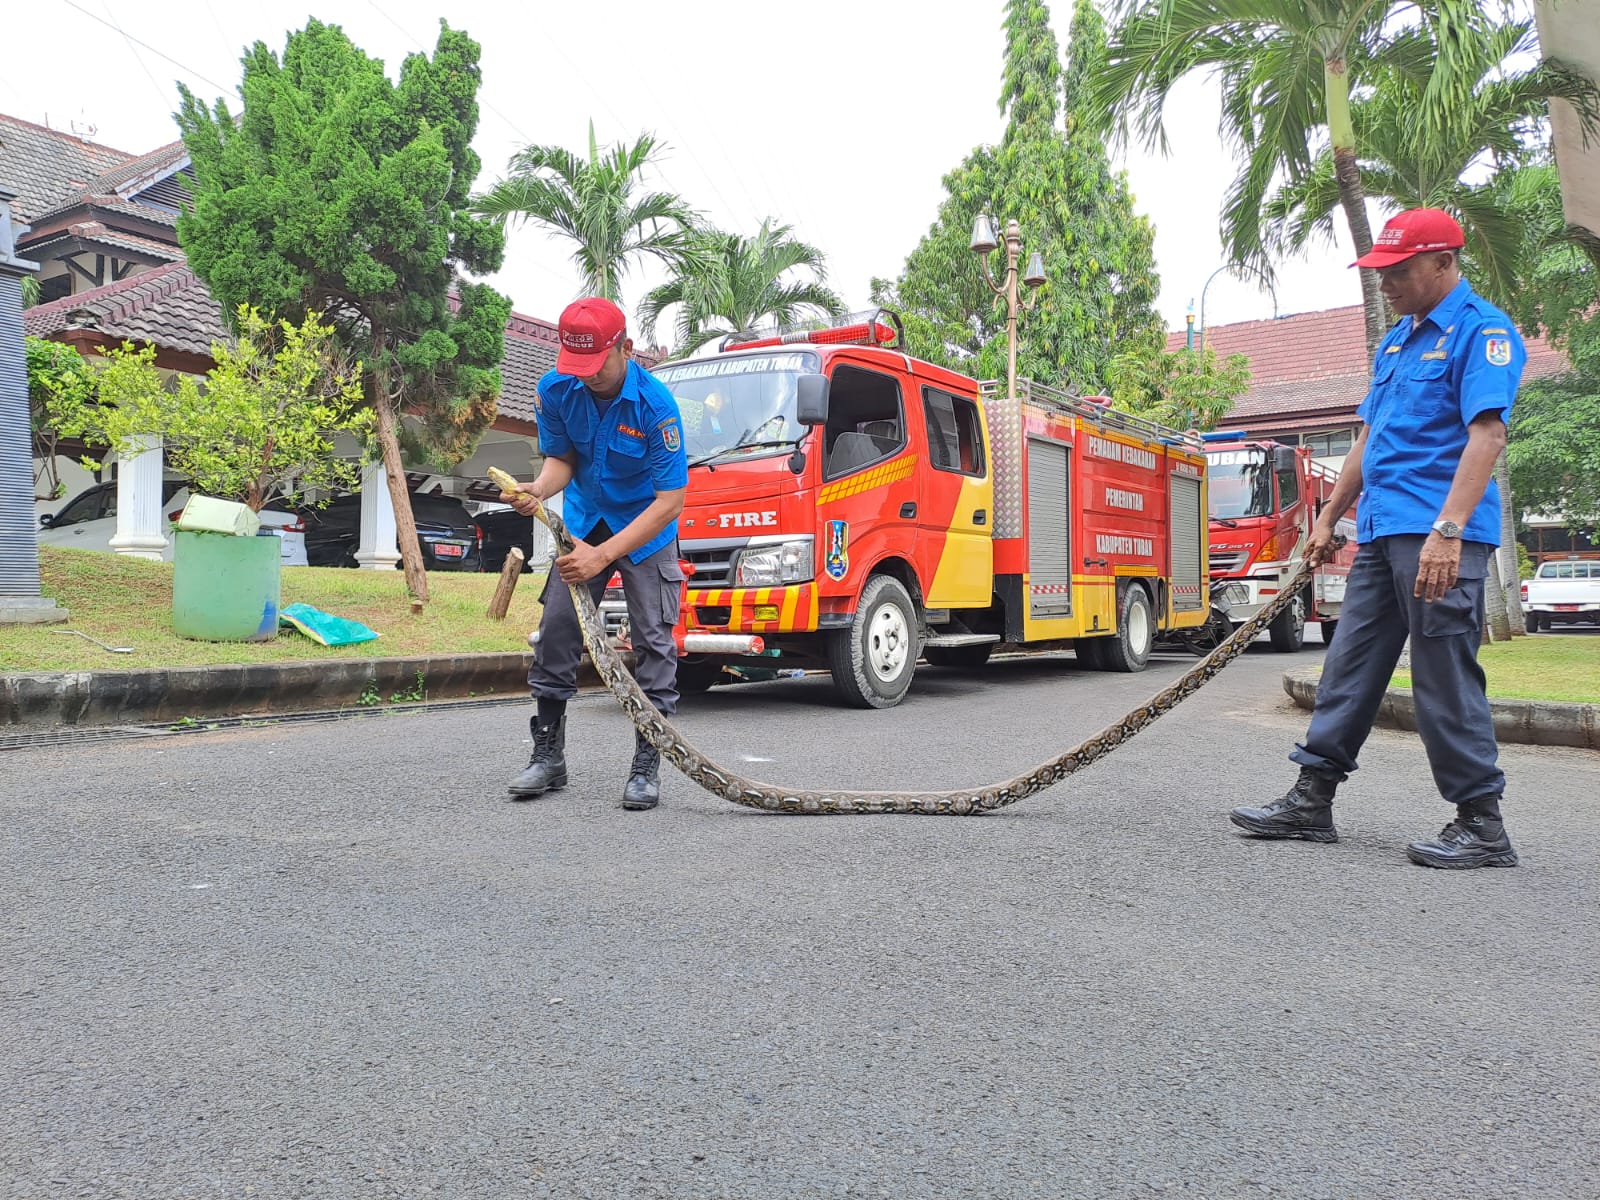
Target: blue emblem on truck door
837 559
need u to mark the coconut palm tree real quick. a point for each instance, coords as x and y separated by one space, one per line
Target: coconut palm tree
598 203
741 283
1412 167
1288 72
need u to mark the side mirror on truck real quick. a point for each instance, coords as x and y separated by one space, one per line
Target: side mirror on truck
811 399
1284 458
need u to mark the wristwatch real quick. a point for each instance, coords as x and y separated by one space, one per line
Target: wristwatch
1447 529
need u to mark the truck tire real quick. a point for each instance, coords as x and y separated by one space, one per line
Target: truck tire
1288 628
873 660
697 674
1327 631
959 656
1129 649
1530 622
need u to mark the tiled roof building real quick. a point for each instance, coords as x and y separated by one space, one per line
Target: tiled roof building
1309 371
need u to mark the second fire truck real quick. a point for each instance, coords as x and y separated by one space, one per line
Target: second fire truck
1265 497
855 508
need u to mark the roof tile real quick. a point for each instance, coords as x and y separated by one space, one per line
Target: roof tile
42 165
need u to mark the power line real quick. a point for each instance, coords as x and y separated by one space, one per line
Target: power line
145 67
186 70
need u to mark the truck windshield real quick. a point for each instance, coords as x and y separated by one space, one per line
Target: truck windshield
737 406
1239 483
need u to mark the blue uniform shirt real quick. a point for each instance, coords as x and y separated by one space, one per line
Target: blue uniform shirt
624 457
1430 378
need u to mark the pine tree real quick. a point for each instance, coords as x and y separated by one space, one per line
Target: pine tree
1051 173
337 191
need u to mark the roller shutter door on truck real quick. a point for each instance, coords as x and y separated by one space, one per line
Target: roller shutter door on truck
1188 527
1049 529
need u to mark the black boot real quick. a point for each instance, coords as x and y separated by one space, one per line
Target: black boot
1471 840
1305 811
547 769
643 789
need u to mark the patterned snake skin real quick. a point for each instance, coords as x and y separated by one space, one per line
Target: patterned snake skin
751 793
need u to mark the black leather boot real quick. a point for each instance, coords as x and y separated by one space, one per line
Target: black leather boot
1468 841
1304 811
547 769
643 789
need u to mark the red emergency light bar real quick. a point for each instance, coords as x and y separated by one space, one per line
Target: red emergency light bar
872 332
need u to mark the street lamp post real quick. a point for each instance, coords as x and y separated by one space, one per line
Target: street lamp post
984 243
1205 329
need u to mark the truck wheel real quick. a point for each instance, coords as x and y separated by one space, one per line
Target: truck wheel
1530 622
1130 649
873 660
1288 628
959 656
697 674
1327 631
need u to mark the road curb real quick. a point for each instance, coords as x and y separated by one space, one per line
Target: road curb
54 698
1533 722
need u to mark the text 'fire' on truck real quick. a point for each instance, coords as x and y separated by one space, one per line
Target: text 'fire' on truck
853 508
1265 498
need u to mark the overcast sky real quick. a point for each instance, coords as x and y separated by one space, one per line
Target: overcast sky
837 117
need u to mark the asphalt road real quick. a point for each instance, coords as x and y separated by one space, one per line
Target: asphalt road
333 960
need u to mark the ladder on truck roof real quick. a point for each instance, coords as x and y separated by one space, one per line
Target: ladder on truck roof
1030 391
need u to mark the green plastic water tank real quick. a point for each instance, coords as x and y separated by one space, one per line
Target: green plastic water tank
225 588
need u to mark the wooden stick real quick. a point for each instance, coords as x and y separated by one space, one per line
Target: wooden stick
509 574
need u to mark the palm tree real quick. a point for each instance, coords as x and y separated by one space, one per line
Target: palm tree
742 283
1288 72
598 203
1410 167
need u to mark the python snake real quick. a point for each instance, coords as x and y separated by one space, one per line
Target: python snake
751 793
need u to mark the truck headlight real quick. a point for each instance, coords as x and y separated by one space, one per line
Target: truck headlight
772 564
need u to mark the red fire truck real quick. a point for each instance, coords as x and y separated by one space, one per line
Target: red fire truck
1265 497
855 508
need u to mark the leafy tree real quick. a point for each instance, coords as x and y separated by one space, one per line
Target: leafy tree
1411 166
594 202
740 283
1184 389
1288 73
338 191
1050 172
61 387
259 426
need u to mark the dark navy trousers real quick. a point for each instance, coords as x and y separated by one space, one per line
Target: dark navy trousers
1453 715
653 589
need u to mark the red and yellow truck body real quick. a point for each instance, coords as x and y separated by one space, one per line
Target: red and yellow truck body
852 506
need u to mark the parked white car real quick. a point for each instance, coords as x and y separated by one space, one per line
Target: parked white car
1562 592
89 522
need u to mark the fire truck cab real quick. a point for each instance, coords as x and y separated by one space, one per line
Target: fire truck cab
1265 497
854 508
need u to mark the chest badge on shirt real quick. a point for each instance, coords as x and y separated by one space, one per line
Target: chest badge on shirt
1498 351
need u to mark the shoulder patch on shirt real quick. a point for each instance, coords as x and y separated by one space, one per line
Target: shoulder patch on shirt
1498 351
1487 332
670 437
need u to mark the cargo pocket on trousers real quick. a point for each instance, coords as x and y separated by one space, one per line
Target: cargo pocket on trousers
671 591
1458 611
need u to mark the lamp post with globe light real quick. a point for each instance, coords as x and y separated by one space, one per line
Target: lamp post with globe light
985 243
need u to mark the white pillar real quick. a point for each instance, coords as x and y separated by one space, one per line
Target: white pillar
377 551
141 525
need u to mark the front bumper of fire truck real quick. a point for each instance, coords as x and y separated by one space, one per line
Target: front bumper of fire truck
738 590
1247 595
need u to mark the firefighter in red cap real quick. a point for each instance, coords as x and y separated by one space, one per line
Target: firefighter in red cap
612 439
1432 425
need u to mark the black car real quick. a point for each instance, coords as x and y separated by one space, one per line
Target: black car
450 539
502 529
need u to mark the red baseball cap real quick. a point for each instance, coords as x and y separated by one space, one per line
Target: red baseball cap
589 328
1415 231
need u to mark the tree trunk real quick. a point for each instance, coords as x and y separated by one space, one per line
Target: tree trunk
405 523
1352 195
1510 575
1495 603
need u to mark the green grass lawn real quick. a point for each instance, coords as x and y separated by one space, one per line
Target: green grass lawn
128 602
1541 666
